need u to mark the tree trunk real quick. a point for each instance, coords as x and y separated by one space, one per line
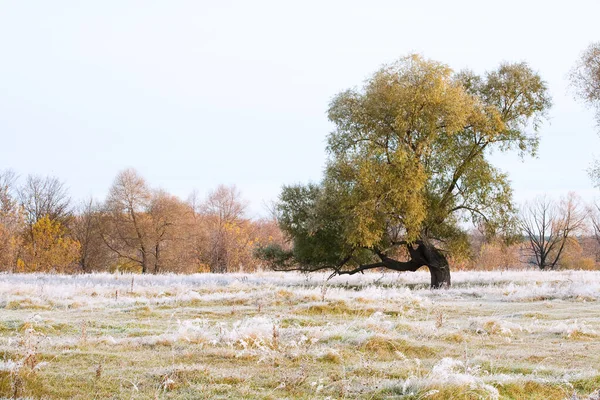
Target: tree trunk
156 258
426 254
438 266
144 263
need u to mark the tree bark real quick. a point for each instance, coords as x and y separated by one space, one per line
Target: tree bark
422 253
144 262
426 254
438 267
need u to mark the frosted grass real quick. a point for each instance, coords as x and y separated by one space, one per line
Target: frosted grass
489 329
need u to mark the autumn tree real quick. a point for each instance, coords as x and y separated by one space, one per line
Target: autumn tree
548 227
496 252
86 229
50 248
224 238
125 226
408 163
41 197
11 221
146 228
585 78
169 235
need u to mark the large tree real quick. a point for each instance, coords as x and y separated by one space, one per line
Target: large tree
145 228
408 166
125 226
585 77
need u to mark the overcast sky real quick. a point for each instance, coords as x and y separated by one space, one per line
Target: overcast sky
197 93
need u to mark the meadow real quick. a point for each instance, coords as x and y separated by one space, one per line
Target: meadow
493 335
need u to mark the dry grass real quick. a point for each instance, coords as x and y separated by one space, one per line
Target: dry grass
275 336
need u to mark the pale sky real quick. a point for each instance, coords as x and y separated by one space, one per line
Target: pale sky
197 93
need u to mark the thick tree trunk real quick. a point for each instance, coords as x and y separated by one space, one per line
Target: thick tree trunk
422 253
439 269
426 254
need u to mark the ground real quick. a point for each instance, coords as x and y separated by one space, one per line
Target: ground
494 335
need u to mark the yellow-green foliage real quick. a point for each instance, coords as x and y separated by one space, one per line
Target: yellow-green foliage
49 249
409 161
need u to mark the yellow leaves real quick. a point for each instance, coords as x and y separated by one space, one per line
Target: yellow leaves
9 247
48 249
229 244
409 150
421 96
384 190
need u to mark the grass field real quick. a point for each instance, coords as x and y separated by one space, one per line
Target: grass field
511 335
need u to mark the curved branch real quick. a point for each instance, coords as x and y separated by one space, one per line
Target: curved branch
357 269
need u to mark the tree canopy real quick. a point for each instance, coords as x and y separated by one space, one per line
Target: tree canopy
585 77
408 165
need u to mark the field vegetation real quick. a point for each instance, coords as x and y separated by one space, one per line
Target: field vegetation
493 335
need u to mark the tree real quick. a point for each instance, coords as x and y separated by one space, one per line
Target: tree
11 221
49 250
594 213
169 234
86 229
125 225
224 237
548 228
41 197
585 78
408 163
145 228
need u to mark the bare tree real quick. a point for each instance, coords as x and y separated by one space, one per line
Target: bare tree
222 216
226 203
548 226
8 204
86 229
148 228
125 227
42 197
594 213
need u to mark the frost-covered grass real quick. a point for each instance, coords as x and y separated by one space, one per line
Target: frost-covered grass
496 335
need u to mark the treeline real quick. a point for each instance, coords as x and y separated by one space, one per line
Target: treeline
546 234
136 228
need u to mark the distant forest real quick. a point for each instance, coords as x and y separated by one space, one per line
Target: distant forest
136 228
141 229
